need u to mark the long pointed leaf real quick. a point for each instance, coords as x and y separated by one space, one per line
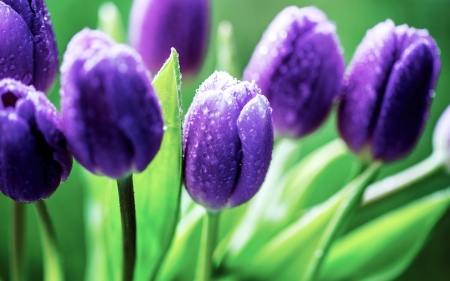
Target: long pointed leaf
382 249
299 249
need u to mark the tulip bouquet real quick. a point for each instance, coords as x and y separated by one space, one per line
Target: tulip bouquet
228 190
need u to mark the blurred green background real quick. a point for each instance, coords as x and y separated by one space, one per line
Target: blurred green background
250 18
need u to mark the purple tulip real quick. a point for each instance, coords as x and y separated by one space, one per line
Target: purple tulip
298 65
388 90
227 142
34 158
158 25
110 111
28 50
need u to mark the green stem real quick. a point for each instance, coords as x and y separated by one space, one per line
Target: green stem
404 179
208 244
18 241
345 214
357 168
128 216
52 259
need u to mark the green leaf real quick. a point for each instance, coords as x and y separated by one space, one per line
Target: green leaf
158 188
299 249
157 196
226 50
110 21
181 260
383 248
284 200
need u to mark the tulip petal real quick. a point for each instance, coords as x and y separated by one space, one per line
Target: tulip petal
365 84
48 122
211 148
298 65
111 114
407 99
256 134
306 82
37 17
135 107
16 49
156 26
27 170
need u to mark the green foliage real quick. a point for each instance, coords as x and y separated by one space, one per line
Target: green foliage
157 195
383 248
299 248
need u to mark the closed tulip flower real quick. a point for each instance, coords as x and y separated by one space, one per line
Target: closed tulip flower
34 158
228 142
387 91
28 50
158 25
110 111
298 65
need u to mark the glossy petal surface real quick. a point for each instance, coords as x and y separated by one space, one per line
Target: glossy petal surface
365 84
45 52
227 142
212 153
110 111
388 91
34 158
16 49
405 105
256 135
298 65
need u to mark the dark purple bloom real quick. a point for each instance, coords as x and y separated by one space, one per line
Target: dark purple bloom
158 25
34 158
110 111
227 142
298 65
28 50
387 91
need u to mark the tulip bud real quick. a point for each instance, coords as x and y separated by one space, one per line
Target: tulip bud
34 158
387 91
110 111
28 50
158 25
227 142
298 65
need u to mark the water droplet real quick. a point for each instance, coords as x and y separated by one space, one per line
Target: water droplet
123 68
207 184
318 253
27 78
202 126
2 61
12 57
12 67
165 128
37 38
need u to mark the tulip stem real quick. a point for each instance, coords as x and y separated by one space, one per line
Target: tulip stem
50 250
128 216
356 169
207 246
404 179
18 241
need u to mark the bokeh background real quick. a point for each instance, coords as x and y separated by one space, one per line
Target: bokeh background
249 19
